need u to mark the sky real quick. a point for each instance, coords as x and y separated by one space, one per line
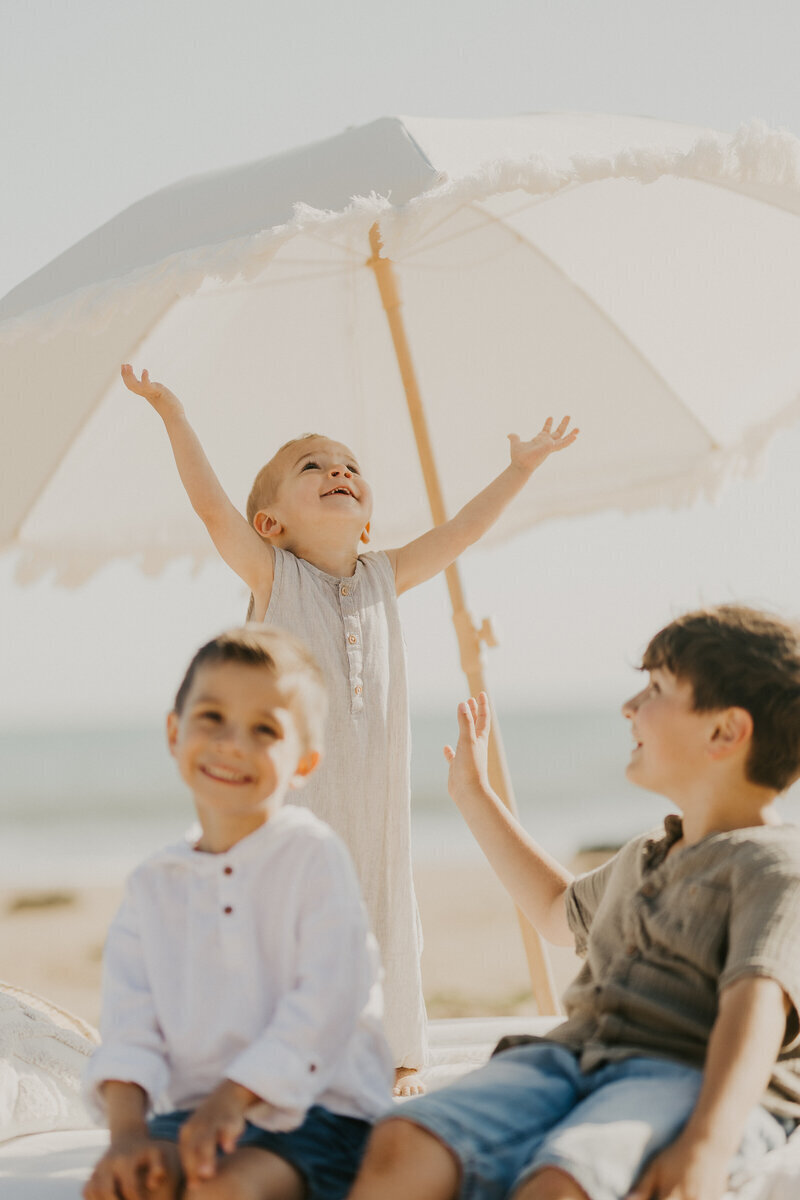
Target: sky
101 104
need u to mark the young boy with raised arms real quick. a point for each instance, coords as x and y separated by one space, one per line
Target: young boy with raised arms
241 994
308 516
678 1064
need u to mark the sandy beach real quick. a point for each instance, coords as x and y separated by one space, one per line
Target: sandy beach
51 943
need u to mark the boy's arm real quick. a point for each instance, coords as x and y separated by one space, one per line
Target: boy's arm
237 542
132 1048
132 1158
426 556
536 882
742 1050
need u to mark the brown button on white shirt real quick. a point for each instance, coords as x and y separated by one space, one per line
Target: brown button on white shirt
662 936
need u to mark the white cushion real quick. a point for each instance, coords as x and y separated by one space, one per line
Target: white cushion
43 1051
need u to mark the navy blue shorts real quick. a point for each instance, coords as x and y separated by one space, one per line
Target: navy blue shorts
326 1149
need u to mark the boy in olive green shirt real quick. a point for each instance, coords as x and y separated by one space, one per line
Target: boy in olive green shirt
679 1061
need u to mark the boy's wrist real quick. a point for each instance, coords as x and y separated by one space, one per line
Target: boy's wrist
125 1137
127 1127
170 410
126 1104
236 1095
709 1140
477 791
519 468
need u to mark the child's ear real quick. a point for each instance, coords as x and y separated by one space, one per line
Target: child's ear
733 730
172 731
308 763
365 534
266 525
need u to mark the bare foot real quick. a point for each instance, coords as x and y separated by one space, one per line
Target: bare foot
407 1082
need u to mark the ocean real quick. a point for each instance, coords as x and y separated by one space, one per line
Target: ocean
83 806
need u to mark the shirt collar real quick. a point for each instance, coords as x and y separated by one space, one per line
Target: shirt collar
260 844
352 580
656 849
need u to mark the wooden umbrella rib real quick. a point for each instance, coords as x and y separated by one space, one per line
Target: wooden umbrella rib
470 638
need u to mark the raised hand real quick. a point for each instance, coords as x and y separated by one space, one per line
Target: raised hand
528 455
469 762
161 398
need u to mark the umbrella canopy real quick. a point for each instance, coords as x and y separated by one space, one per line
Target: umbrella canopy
538 276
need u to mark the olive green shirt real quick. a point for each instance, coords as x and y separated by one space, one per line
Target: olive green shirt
663 935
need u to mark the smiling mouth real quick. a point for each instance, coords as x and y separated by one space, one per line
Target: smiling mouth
341 490
225 775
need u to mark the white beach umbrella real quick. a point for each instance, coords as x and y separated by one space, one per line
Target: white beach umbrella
537 275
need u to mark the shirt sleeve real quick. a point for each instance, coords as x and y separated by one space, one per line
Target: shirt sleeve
764 929
336 977
582 899
132 1048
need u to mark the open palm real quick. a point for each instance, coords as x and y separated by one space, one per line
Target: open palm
155 393
528 455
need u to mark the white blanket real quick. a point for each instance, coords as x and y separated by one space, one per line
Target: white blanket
54 1165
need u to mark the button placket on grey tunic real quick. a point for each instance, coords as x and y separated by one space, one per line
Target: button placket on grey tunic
362 787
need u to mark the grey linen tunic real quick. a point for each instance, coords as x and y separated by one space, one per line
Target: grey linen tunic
662 936
362 787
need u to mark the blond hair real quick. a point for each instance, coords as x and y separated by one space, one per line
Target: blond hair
268 479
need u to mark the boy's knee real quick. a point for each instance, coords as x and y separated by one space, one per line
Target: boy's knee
550 1184
394 1142
228 1186
217 1189
402 1160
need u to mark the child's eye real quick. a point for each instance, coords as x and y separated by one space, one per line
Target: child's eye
311 466
266 730
353 468
210 715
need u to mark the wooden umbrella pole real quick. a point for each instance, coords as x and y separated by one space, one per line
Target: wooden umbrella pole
470 637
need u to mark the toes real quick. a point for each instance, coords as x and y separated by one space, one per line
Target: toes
410 1085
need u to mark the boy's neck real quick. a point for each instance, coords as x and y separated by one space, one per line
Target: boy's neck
738 805
332 558
222 832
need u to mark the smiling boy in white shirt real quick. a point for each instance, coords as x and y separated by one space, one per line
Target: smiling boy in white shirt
241 996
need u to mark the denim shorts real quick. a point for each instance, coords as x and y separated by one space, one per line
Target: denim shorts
533 1107
326 1149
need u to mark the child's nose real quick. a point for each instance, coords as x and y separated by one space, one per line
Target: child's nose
231 738
630 706
340 471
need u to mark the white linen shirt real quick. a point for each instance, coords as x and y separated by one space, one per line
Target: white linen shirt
255 965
